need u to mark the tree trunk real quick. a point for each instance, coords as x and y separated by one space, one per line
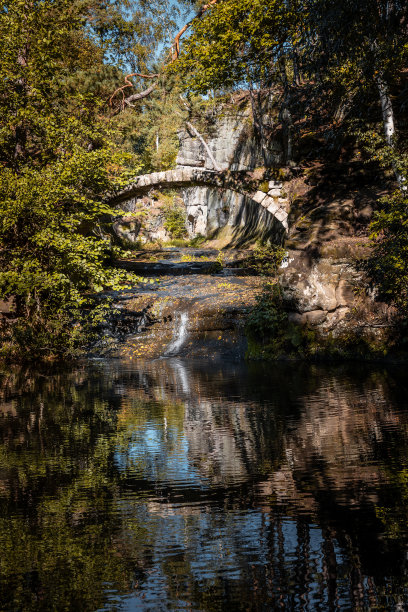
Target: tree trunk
20 130
139 96
205 145
388 122
296 71
286 119
258 124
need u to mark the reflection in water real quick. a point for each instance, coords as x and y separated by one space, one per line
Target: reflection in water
174 485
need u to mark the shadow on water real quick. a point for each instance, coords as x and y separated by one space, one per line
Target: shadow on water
182 485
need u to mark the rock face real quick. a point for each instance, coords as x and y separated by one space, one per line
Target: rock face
231 142
126 229
325 293
188 315
239 218
321 290
234 147
330 209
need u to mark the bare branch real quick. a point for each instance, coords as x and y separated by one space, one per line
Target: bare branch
176 43
130 84
174 54
139 96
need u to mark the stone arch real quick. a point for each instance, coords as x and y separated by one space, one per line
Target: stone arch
271 201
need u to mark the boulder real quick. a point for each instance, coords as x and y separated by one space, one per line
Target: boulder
315 284
126 229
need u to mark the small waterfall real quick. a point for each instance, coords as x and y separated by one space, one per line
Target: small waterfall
180 335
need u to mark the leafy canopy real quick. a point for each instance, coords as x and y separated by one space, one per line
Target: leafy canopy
57 162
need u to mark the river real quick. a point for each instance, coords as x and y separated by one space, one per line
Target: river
173 484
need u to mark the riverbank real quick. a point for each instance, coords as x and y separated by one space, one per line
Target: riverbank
213 303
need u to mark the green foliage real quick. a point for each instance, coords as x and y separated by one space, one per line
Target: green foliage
236 42
388 263
57 164
270 333
268 315
175 220
197 241
266 259
217 265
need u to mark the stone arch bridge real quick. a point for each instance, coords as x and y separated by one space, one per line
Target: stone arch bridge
271 199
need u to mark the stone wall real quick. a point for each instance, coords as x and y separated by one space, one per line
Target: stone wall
231 141
239 218
234 147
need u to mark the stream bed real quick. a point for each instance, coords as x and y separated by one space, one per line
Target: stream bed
182 484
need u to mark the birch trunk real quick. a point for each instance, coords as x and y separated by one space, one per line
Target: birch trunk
285 118
388 122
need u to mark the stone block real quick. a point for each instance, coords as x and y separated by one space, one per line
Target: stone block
186 161
274 193
281 215
295 317
275 185
273 208
266 202
259 197
312 282
185 174
314 317
334 318
126 229
178 175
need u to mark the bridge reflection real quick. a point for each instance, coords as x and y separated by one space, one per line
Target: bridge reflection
204 486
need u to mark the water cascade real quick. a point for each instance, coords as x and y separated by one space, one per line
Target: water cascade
180 335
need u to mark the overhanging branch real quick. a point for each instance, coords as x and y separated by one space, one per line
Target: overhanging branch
173 54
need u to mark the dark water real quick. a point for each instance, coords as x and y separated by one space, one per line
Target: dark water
178 486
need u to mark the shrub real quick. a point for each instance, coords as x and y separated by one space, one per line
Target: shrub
266 259
388 264
267 316
175 220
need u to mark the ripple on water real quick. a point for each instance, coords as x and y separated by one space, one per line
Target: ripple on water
204 486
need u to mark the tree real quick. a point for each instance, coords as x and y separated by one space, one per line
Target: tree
244 44
371 37
56 165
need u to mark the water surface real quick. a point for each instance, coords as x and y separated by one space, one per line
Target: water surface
175 485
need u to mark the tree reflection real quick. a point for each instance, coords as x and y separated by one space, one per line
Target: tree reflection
182 487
